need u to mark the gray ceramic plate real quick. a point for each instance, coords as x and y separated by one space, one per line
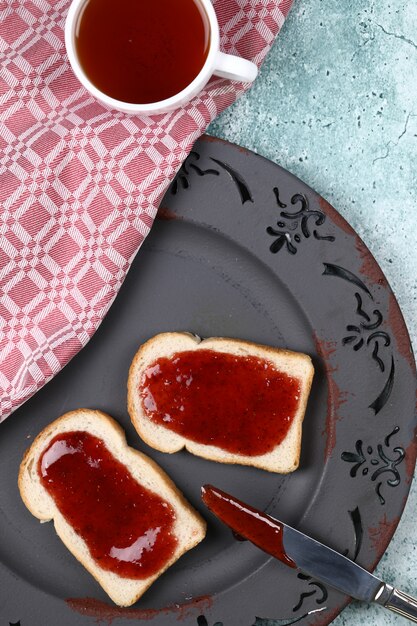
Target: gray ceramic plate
242 249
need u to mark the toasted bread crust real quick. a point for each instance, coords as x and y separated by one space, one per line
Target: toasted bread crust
165 440
122 590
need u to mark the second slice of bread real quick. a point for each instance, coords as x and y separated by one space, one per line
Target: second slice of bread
284 458
189 527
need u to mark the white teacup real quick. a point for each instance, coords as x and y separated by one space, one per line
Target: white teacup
217 63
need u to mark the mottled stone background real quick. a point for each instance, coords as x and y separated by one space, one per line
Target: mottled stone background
336 104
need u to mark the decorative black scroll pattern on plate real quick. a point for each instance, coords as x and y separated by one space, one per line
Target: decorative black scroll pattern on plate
182 179
242 186
294 226
356 519
382 398
378 461
367 332
191 165
341 272
261 621
202 621
315 588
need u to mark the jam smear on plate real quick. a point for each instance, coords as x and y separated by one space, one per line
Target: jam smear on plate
241 404
127 528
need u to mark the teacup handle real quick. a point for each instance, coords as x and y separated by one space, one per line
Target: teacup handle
235 68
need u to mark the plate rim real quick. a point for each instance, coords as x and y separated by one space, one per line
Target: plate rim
341 223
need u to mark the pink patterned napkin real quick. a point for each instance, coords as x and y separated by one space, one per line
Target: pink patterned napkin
80 185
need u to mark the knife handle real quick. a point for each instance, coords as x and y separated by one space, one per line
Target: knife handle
401 603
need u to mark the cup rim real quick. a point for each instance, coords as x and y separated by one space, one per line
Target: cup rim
152 107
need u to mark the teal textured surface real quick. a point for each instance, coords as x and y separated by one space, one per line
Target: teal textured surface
336 104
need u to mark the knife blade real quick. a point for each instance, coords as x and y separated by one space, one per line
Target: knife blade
296 549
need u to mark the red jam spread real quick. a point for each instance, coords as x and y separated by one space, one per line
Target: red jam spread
241 404
264 531
127 528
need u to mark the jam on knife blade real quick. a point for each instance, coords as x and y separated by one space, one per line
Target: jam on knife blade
262 530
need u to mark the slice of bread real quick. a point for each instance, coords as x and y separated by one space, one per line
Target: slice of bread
284 458
189 528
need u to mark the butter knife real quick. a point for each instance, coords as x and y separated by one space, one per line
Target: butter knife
296 549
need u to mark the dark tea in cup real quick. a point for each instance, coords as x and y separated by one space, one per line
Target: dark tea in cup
146 57
142 51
